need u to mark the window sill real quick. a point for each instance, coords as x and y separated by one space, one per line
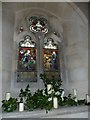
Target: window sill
54 113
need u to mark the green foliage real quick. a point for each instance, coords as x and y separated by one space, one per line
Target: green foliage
56 84
38 100
62 103
30 105
87 103
41 99
9 105
70 101
81 102
26 92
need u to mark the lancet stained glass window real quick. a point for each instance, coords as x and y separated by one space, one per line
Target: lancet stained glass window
51 58
26 60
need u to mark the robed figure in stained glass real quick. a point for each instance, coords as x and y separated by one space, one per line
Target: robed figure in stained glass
27 59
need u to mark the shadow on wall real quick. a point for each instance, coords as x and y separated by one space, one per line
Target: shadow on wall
83 6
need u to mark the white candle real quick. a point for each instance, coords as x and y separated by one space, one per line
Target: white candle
62 95
75 92
49 88
55 102
21 107
8 95
87 98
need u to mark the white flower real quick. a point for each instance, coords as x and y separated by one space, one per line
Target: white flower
44 92
62 99
50 99
57 93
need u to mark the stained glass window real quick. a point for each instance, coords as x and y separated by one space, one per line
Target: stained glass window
26 60
38 24
51 58
26 68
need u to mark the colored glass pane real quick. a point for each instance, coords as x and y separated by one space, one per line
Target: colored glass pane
27 59
51 60
38 24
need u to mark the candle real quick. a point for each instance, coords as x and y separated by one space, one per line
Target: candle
55 102
62 95
87 98
75 92
49 88
8 95
21 107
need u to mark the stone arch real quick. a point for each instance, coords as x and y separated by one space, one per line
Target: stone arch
74 30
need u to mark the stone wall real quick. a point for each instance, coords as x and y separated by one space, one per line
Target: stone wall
0 52
70 22
76 51
7 40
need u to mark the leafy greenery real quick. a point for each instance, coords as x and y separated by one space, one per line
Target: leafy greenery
87 104
82 102
26 92
38 100
56 84
41 99
9 105
70 101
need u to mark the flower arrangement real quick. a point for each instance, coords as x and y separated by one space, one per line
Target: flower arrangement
42 99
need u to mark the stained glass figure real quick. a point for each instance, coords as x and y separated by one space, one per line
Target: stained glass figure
38 24
26 59
51 58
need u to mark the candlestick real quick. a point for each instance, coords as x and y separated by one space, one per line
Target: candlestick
8 95
87 98
55 102
21 107
49 88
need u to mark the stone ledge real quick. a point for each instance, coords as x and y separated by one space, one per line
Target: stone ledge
42 113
